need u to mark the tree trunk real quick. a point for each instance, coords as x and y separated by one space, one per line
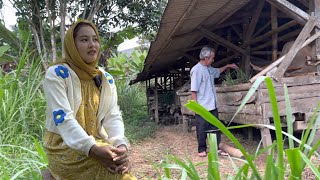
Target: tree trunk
63 9
37 41
94 9
44 49
52 29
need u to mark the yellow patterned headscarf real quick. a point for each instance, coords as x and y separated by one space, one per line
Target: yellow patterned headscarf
73 59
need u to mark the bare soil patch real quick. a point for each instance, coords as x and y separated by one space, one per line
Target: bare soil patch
170 140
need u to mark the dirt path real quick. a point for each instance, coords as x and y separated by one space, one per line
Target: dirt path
170 140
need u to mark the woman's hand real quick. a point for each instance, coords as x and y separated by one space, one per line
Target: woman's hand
105 155
122 159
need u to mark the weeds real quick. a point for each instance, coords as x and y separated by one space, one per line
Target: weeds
297 158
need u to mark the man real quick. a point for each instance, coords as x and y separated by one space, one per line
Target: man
203 91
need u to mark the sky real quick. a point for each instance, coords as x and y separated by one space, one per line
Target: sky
8 14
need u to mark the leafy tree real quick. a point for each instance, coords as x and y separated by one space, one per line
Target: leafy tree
46 20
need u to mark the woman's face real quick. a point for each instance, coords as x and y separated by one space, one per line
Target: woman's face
87 43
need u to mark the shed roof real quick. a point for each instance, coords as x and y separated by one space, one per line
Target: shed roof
181 30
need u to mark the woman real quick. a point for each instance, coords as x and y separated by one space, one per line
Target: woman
84 136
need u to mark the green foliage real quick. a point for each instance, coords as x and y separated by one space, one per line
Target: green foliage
126 67
297 158
22 108
132 101
234 77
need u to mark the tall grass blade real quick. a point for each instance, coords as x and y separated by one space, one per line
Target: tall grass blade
288 115
189 170
192 105
307 131
213 161
4 173
276 117
184 174
193 169
314 149
40 151
314 127
295 162
310 164
155 167
251 91
19 173
270 169
242 174
167 170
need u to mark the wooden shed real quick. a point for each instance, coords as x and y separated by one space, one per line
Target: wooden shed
244 32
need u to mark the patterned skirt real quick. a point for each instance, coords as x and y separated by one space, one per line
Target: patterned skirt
67 164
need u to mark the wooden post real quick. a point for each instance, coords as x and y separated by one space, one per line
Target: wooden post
266 137
156 103
295 47
274 25
314 7
247 61
185 123
147 94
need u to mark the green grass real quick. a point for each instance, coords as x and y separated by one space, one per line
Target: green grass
133 103
280 162
234 77
22 118
22 107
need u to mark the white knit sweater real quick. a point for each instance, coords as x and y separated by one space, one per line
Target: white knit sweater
63 94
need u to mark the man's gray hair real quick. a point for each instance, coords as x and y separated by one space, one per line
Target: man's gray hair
206 52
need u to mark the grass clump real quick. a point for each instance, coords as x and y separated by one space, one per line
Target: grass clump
133 103
234 77
280 163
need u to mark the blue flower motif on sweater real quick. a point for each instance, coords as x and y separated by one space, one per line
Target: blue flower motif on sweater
58 116
62 71
109 78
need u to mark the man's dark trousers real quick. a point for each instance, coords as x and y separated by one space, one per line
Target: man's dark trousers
202 127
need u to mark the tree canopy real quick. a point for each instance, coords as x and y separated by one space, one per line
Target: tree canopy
116 20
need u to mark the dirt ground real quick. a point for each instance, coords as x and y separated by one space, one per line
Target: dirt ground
170 140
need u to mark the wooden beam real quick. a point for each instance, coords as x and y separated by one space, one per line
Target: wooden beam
216 38
261 53
282 38
274 25
291 10
225 60
277 62
295 47
262 28
314 6
227 23
237 30
270 33
254 20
